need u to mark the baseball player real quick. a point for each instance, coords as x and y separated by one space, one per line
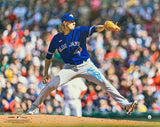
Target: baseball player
72 92
70 41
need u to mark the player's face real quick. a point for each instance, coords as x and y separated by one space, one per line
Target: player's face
71 24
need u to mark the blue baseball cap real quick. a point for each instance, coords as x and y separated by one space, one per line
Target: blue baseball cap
68 17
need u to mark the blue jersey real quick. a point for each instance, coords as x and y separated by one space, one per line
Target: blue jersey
72 47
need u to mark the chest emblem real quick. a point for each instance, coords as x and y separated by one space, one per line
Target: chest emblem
78 51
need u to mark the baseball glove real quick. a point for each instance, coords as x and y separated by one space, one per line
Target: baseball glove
109 25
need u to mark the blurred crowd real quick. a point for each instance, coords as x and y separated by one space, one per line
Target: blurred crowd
130 59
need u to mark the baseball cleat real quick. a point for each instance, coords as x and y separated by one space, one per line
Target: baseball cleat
129 108
32 111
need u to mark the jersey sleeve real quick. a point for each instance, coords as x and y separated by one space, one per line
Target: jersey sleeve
87 31
51 49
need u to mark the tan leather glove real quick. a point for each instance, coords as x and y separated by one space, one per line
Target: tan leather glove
109 25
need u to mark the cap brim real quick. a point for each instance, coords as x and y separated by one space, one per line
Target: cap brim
71 19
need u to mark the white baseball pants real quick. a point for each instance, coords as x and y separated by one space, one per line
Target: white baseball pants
85 70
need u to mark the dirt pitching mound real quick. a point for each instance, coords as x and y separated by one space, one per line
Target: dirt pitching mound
67 121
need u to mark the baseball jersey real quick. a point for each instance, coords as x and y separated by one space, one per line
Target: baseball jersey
72 47
73 88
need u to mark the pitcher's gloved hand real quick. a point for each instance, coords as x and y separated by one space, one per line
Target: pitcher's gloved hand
109 25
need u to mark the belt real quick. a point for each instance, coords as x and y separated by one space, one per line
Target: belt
79 62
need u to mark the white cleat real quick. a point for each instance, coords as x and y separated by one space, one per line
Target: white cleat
130 108
32 111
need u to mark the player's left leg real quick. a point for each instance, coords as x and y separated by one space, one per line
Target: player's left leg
91 72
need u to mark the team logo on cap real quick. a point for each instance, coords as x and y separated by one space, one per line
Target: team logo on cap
71 15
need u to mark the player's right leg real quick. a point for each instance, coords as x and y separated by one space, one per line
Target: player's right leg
65 75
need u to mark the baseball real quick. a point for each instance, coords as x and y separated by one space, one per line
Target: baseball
149 117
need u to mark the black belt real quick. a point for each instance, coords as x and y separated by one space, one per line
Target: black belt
78 62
